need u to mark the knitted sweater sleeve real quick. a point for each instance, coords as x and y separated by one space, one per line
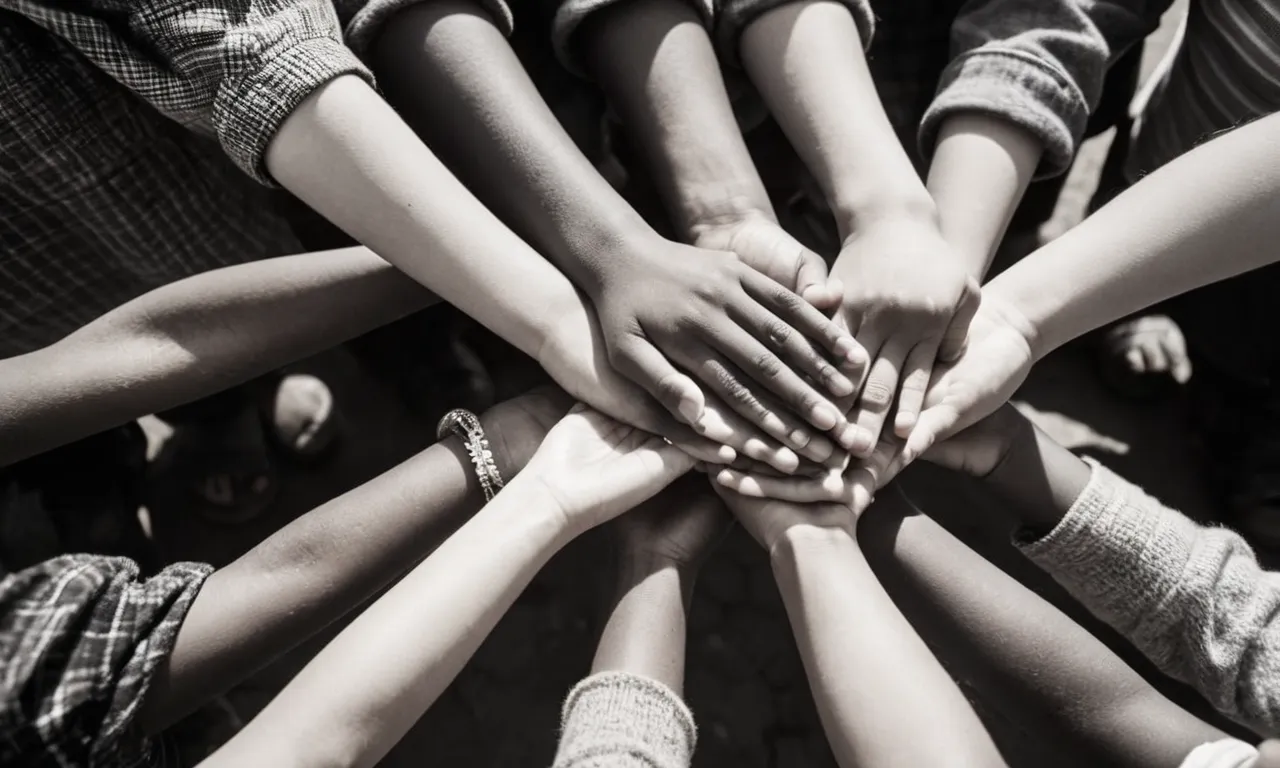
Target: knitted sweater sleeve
1192 598
620 720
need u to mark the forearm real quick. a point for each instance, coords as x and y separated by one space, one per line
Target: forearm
874 680
981 168
310 573
423 631
1041 478
193 338
806 59
655 60
645 632
347 154
1058 678
1210 214
454 78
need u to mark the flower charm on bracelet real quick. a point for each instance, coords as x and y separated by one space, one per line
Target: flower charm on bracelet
466 426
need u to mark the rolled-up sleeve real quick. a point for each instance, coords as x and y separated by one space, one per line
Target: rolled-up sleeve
362 20
733 16
570 14
1039 64
235 69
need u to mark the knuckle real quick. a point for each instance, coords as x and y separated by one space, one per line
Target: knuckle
767 365
779 334
877 395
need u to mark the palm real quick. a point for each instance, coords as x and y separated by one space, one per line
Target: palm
596 467
517 426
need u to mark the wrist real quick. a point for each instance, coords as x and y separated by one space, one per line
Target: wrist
1019 310
708 217
856 210
1016 435
608 248
637 568
538 505
803 541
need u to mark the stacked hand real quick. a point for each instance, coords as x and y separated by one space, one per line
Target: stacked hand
995 361
671 313
770 250
908 301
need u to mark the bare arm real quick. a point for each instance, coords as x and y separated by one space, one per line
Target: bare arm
1211 214
981 168
193 338
1056 676
873 678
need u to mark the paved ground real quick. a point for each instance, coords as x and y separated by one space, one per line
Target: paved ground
745 682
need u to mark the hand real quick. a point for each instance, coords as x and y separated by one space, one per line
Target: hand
573 353
679 526
767 520
594 468
908 301
981 448
770 250
994 364
515 428
738 332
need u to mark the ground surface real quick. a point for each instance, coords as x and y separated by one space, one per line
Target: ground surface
745 682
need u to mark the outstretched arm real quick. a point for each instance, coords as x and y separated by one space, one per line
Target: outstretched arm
192 338
873 679
1210 214
360 694
327 562
908 297
655 60
1056 677
668 311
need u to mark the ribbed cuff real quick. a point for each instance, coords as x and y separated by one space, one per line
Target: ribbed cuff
572 13
249 113
736 15
621 713
1226 753
364 27
1117 549
1018 87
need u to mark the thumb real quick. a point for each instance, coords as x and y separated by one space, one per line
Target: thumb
957 334
811 280
933 425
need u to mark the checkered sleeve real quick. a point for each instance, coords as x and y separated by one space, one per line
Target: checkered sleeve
733 16
1039 64
232 68
80 640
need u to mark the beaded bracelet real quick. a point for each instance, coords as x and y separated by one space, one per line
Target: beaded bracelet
466 426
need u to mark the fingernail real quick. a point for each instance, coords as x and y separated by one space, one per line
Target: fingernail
690 409
856 357
787 458
839 384
823 417
727 454
845 346
856 439
799 438
725 477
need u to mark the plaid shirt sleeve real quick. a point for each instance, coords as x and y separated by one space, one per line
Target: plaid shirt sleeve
80 640
232 68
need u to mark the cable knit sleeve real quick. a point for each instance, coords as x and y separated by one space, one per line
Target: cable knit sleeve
734 16
1039 64
1192 598
621 720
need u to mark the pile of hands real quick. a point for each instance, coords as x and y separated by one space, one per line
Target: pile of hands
594 467
784 382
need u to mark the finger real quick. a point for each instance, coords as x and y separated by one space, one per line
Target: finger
725 381
1180 361
641 362
877 397
801 353
953 341
759 364
830 487
1136 360
935 424
798 315
722 424
915 382
1154 357
811 280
